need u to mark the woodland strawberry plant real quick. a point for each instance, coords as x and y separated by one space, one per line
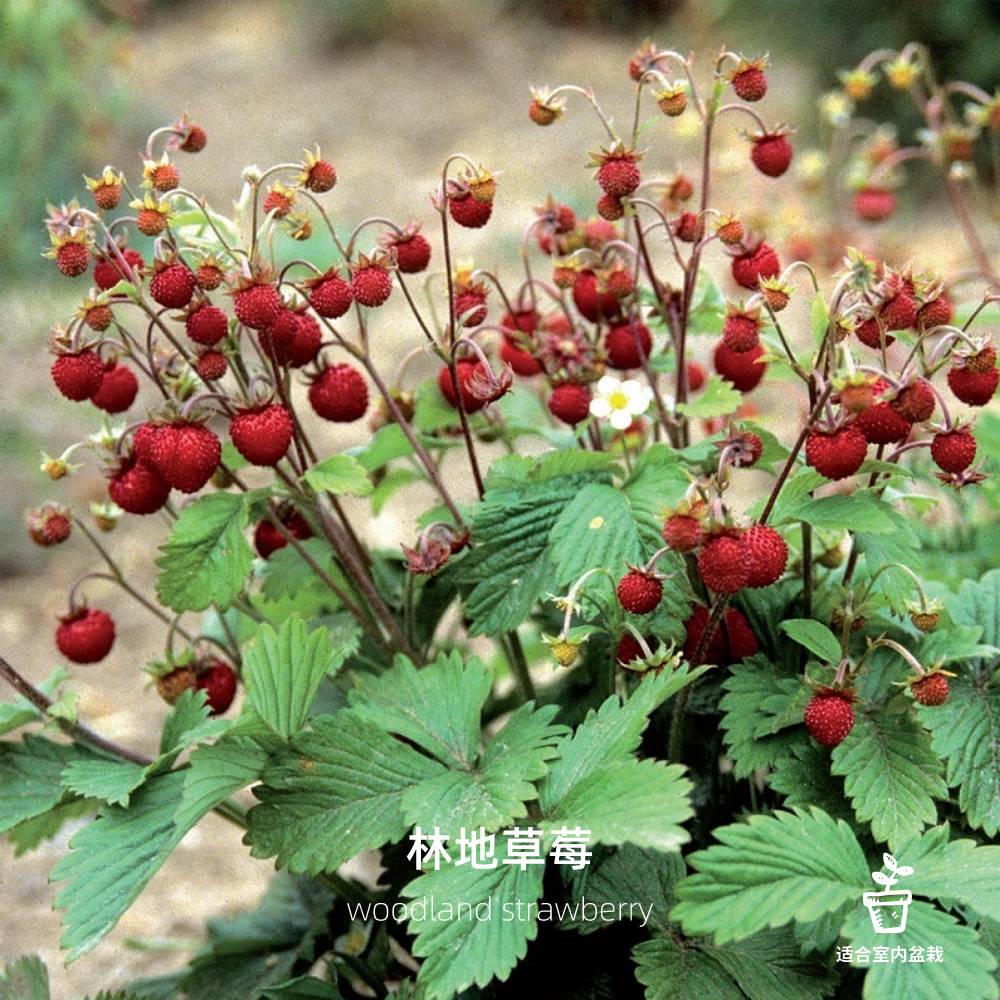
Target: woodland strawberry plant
745 665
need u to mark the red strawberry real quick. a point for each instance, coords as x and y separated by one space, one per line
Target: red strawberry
466 371
953 451
682 532
628 649
164 176
610 207
732 641
257 305
339 394
137 487
639 592
172 285
85 635
49 524
277 338
870 334
935 312
931 689
740 367
836 454
150 221
413 252
761 262
597 232
72 258
685 227
570 403
900 312
470 302
208 276
98 316
696 376
766 554
628 345
771 153
829 717
218 681
262 433
741 329
185 454
617 173
874 204
206 324
78 376
193 138
319 176
723 565
371 283
881 424
750 84
267 539
118 390
521 361
469 211
107 270
915 402
211 365
972 387
593 303
306 344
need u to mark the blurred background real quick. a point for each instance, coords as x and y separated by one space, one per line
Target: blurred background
387 89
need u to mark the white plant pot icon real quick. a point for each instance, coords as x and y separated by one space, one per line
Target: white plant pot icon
888 910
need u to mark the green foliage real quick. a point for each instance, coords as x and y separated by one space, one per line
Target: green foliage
25 979
340 474
815 636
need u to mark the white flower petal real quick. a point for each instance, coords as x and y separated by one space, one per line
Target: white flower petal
620 419
608 384
631 387
600 407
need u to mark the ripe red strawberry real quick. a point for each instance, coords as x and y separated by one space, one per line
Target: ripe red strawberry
723 565
469 211
72 258
413 252
750 84
209 276
570 403
766 554
78 376
771 153
761 262
371 282
305 346
985 360
627 345
829 717
466 371
682 532
522 362
931 689
915 402
150 221
593 303
628 649
329 294
935 312
277 338
953 451
836 454
740 367
107 270
318 176
164 177
741 329
870 334
118 390
732 641
900 312
107 193
874 204
639 592
49 524
610 207
267 539
525 320
85 635
211 365
696 376
172 285
137 487
972 387
256 305
98 316
617 172
185 454
193 139
881 424
279 200
206 324
470 302
685 227
142 440
339 394
262 433
217 679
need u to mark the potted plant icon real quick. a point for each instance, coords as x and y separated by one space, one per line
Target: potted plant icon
889 907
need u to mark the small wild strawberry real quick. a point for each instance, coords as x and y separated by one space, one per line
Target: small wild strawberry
628 345
172 284
137 486
108 270
935 312
78 375
748 79
570 403
469 211
593 302
931 689
256 303
740 367
262 433
976 388
206 324
413 252
639 592
85 635
874 204
766 554
836 454
118 390
185 453
915 402
339 393
50 524
466 370
329 294
211 365
71 255
759 262
371 281
617 170
954 450
741 328
771 153
218 680
682 532
267 539
317 175
829 717
723 565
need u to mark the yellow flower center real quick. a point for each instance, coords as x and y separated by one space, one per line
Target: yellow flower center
617 400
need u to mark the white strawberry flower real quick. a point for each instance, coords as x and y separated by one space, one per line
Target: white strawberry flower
620 402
